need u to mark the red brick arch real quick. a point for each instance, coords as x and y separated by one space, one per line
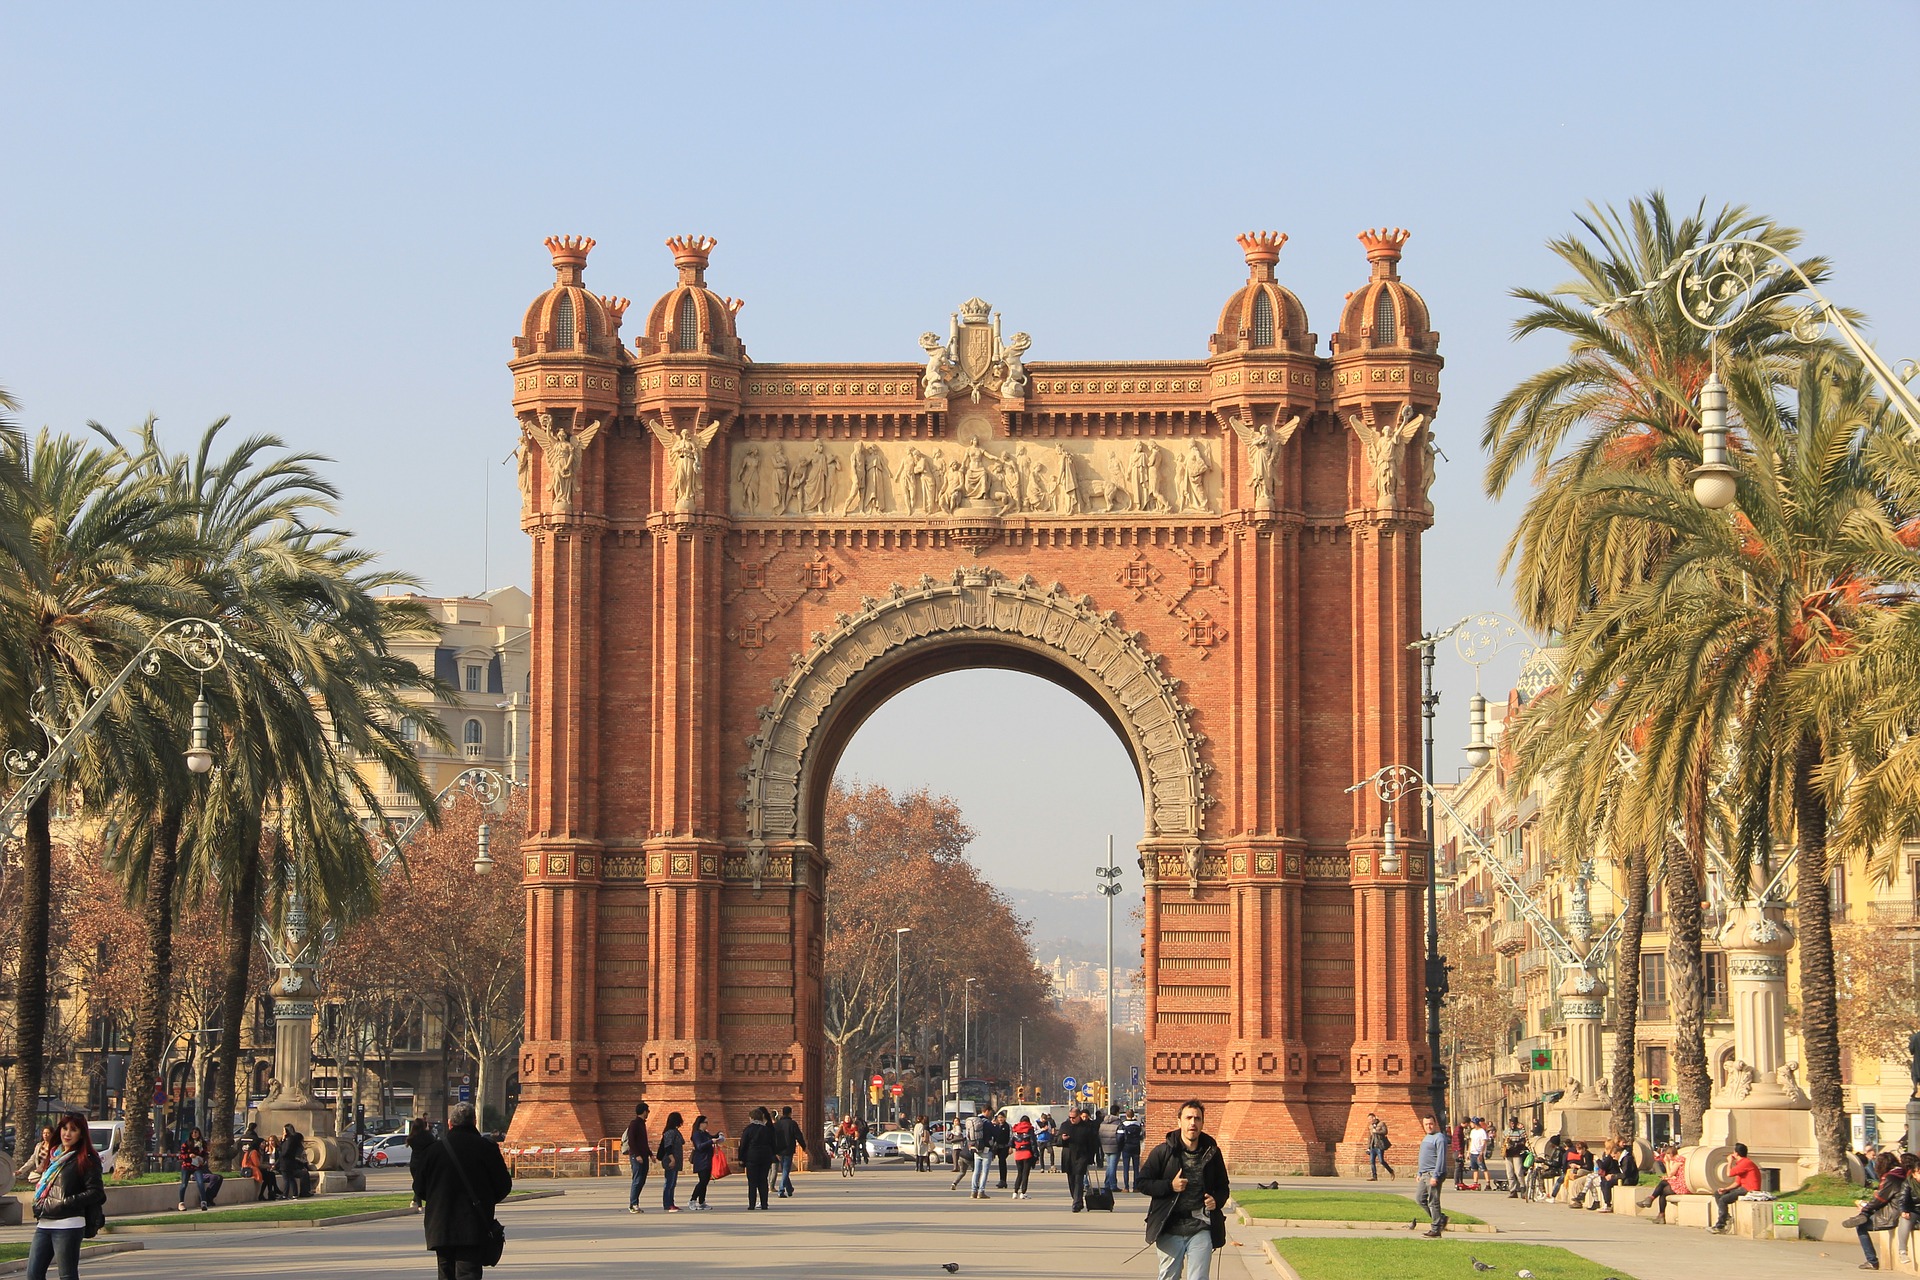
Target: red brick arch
740 561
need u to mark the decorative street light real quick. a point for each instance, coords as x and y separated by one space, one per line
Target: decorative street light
201 644
897 1073
1713 480
1109 888
489 787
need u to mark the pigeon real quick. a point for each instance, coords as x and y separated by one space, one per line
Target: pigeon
1414 1225
949 1267
1268 1186
1524 1274
1479 1265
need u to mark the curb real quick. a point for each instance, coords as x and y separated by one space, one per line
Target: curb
1279 1263
1347 1224
102 1250
284 1224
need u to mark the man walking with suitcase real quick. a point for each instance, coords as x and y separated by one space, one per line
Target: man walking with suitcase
1079 1149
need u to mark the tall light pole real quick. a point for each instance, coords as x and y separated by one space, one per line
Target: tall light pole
1023 1054
1109 887
900 1097
966 1033
1436 971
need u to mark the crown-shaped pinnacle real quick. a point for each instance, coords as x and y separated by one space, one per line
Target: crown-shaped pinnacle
1262 246
569 256
690 256
1384 244
616 306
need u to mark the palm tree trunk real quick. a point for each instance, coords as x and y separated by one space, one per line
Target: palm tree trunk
1626 992
1819 1009
156 987
30 992
245 910
1686 991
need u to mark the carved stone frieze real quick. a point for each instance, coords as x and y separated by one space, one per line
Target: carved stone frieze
982 602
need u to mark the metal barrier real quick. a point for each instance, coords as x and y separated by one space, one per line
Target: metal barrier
576 1161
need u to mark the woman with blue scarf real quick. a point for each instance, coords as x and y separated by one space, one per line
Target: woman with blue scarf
69 1202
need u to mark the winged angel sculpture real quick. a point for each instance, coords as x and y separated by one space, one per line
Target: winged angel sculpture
1263 445
1384 448
562 449
683 454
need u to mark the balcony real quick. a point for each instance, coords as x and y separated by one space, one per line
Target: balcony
474 750
1655 922
1474 904
1900 918
1532 960
1509 937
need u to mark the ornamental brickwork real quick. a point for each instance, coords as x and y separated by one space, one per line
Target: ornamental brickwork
735 563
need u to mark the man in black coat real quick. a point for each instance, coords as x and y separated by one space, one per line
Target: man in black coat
787 1141
1079 1149
1187 1177
457 1225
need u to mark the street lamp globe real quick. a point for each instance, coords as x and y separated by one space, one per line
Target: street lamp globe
199 754
1479 751
1713 479
483 857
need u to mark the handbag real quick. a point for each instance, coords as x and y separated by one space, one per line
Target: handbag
720 1166
496 1243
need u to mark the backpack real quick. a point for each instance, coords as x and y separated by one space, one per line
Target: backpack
979 1134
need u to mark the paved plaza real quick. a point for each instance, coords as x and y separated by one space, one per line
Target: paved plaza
890 1223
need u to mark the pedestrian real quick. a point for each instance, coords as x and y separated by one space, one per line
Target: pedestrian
419 1138
758 1150
1043 1139
1607 1172
922 1145
1477 1151
1110 1148
1132 1135
787 1140
980 1138
1879 1213
1378 1144
69 1200
193 1170
639 1155
702 1143
1670 1183
860 1131
43 1151
1002 1144
1909 1210
962 1152
1081 1148
1429 1173
1187 1178
1514 1148
1746 1177
253 1162
672 1155
459 1179
1023 1153
1574 1181
290 1162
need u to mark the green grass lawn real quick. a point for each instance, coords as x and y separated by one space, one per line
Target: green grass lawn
1370 1259
143 1179
279 1211
1338 1206
13 1252
1824 1188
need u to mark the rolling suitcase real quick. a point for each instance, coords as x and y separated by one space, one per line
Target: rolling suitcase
1099 1200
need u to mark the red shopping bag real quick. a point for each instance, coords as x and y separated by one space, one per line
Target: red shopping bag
720 1166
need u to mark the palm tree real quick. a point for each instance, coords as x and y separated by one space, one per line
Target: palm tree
1623 399
86 585
1712 657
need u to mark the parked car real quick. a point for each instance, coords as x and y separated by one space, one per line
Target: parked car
891 1142
390 1151
106 1136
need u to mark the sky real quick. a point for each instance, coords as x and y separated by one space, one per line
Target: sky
326 222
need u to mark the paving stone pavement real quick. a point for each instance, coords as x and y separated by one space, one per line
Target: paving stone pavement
887 1223
1635 1245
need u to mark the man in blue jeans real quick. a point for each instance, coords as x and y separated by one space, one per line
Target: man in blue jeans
1430 1173
786 1141
980 1139
1132 1134
639 1155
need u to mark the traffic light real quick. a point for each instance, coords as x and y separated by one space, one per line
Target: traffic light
906 1062
873 1094
1019 1093
886 1062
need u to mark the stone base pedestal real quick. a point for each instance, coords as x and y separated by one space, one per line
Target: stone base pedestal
1591 1125
314 1123
334 1181
1777 1138
11 1213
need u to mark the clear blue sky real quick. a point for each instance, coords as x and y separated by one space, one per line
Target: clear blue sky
326 221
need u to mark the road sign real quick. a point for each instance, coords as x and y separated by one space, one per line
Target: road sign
466 1093
877 1081
1069 1084
159 1093
1135 1083
898 1090
1786 1213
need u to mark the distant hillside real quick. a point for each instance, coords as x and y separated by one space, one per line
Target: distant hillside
1074 925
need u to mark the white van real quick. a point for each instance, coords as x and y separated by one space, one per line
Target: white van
106 1140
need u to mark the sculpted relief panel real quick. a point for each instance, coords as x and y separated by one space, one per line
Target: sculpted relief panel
851 479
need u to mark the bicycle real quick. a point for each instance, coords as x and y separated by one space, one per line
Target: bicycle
846 1157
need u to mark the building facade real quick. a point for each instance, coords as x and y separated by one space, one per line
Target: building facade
735 562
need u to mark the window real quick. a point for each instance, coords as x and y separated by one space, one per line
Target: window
475 738
409 729
1262 320
1653 985
563 323
1837 891
475 677
688 338
509 738
1653 1058
1716 974
1383 326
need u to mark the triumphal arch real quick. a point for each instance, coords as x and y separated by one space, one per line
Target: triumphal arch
736 562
